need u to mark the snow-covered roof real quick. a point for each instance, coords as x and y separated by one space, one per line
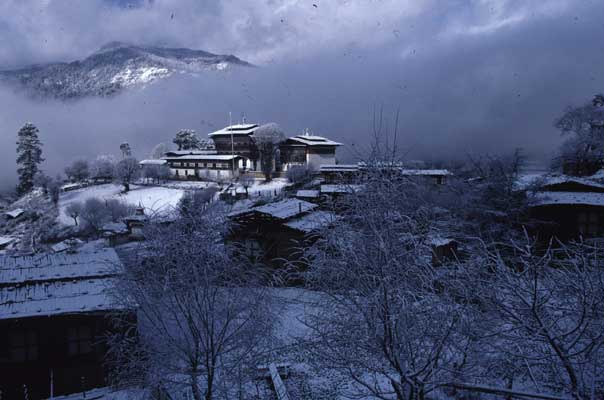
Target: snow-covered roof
568 198
339 168
177 153
311 194
340 188
425 172
153 162
65 244
6 240
312 222
238 129
205 157
311 140
59 283
115 227
15 213
562 179
438 241
283 209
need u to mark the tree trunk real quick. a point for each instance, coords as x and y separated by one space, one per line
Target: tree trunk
126 186
195 388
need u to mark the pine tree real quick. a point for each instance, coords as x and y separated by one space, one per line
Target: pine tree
29 156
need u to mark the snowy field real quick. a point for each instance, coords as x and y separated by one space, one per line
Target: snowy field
155 199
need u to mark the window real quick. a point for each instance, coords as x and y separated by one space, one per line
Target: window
23 346
79 340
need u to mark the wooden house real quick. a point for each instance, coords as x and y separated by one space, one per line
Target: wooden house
274 233
206 166
309 151
53 315
355 173
568 208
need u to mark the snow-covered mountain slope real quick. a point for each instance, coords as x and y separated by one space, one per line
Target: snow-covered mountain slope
113 68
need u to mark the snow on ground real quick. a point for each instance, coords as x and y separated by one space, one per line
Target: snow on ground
155 199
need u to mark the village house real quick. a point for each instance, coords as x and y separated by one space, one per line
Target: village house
273 233
53 315
568 207
308 151
353 173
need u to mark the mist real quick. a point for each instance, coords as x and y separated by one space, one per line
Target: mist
481 94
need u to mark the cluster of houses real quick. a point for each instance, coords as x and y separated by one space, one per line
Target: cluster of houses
236 152
53 307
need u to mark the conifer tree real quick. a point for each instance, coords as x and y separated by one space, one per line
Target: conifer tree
29 156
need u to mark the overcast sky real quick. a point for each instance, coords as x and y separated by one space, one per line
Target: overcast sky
467 75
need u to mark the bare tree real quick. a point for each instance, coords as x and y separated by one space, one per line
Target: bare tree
548 313
103 168
151 172
78 170
126 171
117 209
95 213
159 151
267 138
74 210
247 181
299 174
201 317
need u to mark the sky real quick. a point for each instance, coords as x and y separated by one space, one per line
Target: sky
466 76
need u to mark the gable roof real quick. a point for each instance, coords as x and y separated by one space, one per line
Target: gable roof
283 209
237 129
567 198
311 140
312 221
60 283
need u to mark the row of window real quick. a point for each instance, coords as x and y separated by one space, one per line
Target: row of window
201 165
24 345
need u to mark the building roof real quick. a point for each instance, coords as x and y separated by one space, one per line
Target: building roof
238 129
115 228
204 157
425 172
313 221
15 213
310 194
178 153
65 244
556 180
339 168
340 188
568 198
311 140
153 162
283 209
60 283
6 240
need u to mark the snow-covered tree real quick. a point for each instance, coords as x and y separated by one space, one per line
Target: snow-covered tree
126 171
54 190
29 156
267 138
158 151
78 171
74 210
584 149
103 168
42 180
126 150
186 139
203 321
247 181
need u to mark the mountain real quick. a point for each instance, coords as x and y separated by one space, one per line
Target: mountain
113 68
